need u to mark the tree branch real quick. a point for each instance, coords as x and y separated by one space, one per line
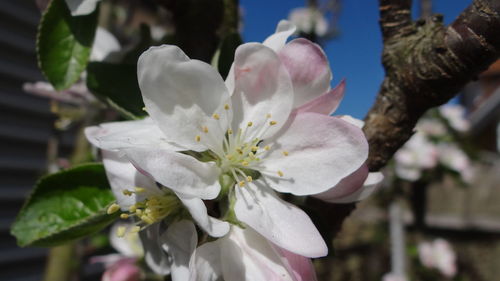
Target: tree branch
426 65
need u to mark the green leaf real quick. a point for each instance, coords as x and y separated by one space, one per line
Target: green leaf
64 44
117 85
65 206
224 55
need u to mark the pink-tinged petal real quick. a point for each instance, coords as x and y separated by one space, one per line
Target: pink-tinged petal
124 270
313 153
154 255
128 134
180 241
81 7
327 103
370 185
248 256
179 172
282 223
263 87
346 186
122 175
182 95
353 121
198 210
300 266
309 69
278 39
205 263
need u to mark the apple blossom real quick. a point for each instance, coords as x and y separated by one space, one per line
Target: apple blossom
81 7
455 115
416 155
309 20
265 127
393 277
438 254
243 254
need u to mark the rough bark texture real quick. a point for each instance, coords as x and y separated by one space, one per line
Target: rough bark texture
426 64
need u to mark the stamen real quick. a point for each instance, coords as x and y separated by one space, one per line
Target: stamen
229 132
285 153
245 163
205 129
124 216
249 179
249 124
226 106
198 138
127 192
272 123
139 189
241 183
280 173
268 115
267 147
216 116
135 229
113 209
255 148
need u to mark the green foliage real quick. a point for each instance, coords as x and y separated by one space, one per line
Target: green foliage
65 206
117 85
224 56
64 44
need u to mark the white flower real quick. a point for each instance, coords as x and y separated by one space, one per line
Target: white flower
438 254
393 277
452 157
309 20
455 114
266 121
245 255
416 155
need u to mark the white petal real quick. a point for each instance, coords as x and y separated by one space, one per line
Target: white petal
326 103
127 134
181 95
129 245
205 263
322 150
282 223
104 44
348 185
278 39
180 241
262 87
250 257
300 266
154 255
179 172
81 7
198 210
122 175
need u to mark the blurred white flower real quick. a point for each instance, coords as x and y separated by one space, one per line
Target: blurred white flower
416 155
455 114
309 20
81 7
438 254
452 157
393 277
431 127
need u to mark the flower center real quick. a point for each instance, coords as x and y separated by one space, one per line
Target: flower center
152 209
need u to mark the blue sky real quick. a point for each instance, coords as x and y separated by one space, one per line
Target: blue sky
355 54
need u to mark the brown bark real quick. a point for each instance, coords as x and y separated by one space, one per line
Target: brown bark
426 64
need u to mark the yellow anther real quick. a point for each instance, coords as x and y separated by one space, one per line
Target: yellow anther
138 212
216 116
267 147
127 192
255 148
251 154
245 163
241 183
268 115
147 219
229 157
280 173
139 189
272 123
113 208
229 132
239 150
226 106
124 216
249 124
249 179
205 129
285 153
198 138
132 208
144 109
120 231
135 229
